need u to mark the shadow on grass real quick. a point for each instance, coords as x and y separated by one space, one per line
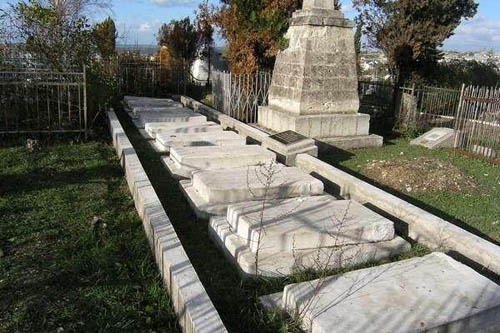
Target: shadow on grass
59 272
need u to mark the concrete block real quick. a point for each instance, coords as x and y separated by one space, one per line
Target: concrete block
352 142
210 192
225 138
190 300
187 128
308 222
274 263
183 161
436 138
430 294
315 126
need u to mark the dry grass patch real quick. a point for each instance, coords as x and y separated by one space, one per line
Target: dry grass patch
422 174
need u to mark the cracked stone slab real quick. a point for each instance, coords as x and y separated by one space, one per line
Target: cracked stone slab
275 263
308 222
434 293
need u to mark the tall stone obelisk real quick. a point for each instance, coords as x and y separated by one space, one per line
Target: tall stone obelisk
314 89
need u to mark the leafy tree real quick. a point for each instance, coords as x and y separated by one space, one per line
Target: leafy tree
409 32
105 38
254 30
471 72
205 33
181 38
56 32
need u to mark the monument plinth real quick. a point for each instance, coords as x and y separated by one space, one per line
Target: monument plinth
314 88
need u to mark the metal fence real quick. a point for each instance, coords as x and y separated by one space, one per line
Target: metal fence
42 101
152 79
478 121
427 107
239 96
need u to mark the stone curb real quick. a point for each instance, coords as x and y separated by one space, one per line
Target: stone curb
192 304
422 226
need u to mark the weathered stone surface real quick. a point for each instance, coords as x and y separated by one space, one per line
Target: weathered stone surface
240 184
178 116
183 161
138 102
286 154
187 128
351 142
210 192
316 74
316 126
189 298
275 263
225 138
417 224
436 138
314 89
309 222
430 294
137 110
320 13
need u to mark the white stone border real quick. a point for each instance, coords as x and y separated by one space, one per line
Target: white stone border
423 227
192 304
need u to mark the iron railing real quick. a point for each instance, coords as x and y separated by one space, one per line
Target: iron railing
42 101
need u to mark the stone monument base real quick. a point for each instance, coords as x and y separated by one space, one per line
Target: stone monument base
340 130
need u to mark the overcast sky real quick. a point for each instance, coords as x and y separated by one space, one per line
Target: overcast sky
138 21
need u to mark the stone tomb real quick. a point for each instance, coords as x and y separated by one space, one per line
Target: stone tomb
131 102
165 141
211 192
314 89
187 128
436 138
180 115
433 293
183 161
294 233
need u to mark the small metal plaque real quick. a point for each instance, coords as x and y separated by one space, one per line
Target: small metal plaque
288 137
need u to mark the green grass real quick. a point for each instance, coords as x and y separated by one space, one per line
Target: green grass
56 271
235 300
478 211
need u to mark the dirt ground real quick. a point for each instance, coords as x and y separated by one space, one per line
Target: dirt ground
420 175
